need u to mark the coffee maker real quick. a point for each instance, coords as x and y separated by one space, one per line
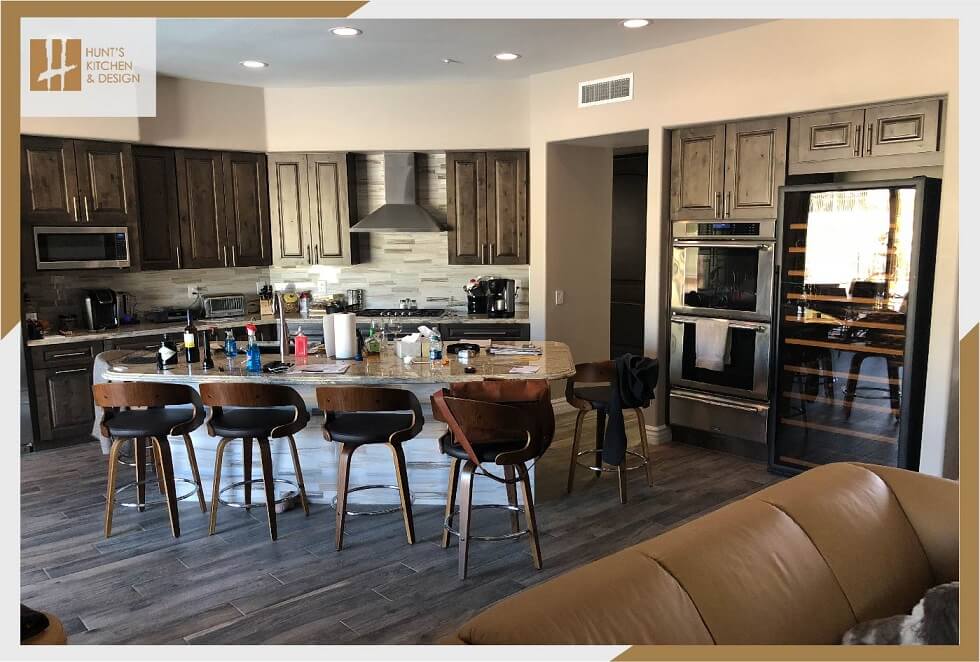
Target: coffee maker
476 298
100 308
501 297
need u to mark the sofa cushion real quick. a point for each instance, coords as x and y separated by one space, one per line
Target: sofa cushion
625 594
862 532
755 577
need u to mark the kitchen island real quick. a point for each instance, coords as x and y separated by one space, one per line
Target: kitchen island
428 468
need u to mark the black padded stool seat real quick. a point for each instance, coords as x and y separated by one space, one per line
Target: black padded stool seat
484 452
156 422
366 427
250 421
597 396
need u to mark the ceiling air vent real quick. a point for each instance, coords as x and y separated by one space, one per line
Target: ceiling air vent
605 90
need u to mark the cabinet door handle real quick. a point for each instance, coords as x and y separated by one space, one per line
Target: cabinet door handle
490 252
178 255
857 140
65 372
728 204
234 262
316 253
869 138
74 206
85 202
65 355
309 257
224 250
717 209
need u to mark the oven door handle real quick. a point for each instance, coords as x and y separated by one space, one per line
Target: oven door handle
733 243
752 326
718 402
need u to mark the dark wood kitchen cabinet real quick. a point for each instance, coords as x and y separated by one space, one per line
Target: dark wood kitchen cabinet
201 204
247 228
60 392
487 207
312 206
727 171
159 218
899 134
68 182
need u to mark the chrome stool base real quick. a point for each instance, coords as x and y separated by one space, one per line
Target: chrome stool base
643 461
448 523
156 502
241 483
351 513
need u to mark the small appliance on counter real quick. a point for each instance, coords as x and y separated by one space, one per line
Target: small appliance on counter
501 297
126 305
223 305
100 309
476 296
355 299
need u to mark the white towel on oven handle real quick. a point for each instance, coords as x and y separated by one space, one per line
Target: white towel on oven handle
712 344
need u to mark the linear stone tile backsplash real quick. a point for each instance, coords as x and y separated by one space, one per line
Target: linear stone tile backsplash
393 265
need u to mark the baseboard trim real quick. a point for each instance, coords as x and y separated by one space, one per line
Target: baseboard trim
656 434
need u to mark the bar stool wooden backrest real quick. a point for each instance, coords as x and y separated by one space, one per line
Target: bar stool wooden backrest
348 399
113 397
598 372
240 394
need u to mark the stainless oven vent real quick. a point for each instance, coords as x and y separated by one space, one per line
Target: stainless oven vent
605 90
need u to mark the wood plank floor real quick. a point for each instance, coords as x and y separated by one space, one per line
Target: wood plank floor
143 587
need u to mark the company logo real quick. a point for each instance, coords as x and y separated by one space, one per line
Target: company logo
56 65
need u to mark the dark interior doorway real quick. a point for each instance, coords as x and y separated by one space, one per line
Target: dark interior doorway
629 239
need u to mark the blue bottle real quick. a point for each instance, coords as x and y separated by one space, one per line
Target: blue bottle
253 361
231 347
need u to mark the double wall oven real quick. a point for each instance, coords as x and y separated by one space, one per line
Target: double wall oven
722 275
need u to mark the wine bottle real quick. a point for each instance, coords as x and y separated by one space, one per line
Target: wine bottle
191 351
167 354
206 336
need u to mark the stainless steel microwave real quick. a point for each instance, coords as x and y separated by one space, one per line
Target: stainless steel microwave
68 247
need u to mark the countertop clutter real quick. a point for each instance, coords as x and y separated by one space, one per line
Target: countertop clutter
149 329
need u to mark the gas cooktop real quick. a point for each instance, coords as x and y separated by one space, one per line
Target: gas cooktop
402 312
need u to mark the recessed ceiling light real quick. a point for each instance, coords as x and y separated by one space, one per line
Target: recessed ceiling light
636 23
345 32
449 60
254 64
506 57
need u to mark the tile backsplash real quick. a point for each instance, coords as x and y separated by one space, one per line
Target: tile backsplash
394 265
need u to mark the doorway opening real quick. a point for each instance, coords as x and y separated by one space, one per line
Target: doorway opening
628 264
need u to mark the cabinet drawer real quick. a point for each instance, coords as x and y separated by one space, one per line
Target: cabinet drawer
61 355
151 342
748 421
483 331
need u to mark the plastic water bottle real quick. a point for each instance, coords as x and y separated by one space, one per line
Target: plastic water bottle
435 346
231 347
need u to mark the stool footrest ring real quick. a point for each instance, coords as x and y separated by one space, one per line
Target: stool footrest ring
384 511
448 526
639 465
241 483
156 502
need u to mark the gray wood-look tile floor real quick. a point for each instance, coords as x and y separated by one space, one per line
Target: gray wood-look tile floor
141 586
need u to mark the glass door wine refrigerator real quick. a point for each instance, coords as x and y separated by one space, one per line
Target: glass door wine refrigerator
855 292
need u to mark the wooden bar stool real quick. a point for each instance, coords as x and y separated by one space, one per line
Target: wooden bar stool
508 423
166 414
254 413
596 398
361 415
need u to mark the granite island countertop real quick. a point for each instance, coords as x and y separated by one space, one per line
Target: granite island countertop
149 328
555 362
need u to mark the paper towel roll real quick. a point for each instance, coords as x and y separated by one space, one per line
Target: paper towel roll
328 343
345 335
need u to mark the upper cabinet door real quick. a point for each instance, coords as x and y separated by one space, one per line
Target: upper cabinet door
902 128
49 190
827 136
156 201
246 209
507 207
697 172
332 204
105 183
201 201
466 212
755 167
289 196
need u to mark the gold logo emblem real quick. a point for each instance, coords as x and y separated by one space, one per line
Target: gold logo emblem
56 65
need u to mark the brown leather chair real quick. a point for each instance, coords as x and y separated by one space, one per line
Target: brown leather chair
254 413
166 413
799 562
360 415
595 397
508 423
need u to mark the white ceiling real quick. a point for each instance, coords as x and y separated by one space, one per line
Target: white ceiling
304 53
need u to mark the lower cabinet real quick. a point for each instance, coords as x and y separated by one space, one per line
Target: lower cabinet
62 407
493 331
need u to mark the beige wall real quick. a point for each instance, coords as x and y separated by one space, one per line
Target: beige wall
189 114
772 68
421 116
579 204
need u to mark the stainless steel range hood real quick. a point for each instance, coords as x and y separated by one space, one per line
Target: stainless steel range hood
399 213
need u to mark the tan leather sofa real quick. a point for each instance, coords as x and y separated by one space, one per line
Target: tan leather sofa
799 562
